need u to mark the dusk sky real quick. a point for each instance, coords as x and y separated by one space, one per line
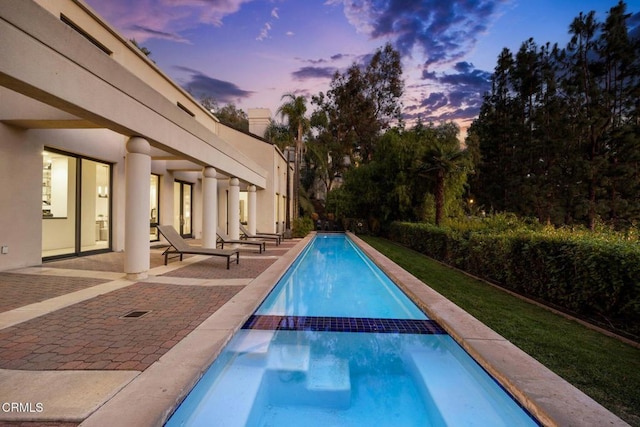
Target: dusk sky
251 52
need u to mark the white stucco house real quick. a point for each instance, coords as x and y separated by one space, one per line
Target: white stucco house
97 145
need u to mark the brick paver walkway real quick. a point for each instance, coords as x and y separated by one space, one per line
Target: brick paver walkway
111 261
94 335
17 290
215 268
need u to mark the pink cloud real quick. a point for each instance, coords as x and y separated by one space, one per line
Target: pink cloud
164 19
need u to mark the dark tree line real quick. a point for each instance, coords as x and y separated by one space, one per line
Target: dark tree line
558 136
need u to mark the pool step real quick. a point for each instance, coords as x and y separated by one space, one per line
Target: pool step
454 395
324 381
329 380
289 357
253 347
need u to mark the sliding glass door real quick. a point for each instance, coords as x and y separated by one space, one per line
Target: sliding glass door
75 205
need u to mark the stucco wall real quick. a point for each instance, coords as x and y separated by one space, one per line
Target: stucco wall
20 204
268 157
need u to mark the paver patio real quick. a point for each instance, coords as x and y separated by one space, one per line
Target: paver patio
93 334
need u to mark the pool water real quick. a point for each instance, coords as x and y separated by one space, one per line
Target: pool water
332 277
302 359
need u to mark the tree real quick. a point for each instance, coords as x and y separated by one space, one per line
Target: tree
442 160
363 102
495 132
209 103
326 158
621 84
233 117
294 110
279 134
559 134
407 169
582 86
229 115
142 49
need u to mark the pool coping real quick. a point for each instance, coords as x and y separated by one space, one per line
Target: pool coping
548 397
151 397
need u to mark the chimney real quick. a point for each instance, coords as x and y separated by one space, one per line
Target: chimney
259 119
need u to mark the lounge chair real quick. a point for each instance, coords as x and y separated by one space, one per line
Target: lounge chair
281 235
224 239
268 236
180 247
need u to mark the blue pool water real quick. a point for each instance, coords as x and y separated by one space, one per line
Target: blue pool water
332 277
323 350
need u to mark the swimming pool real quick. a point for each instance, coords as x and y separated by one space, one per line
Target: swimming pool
333 278
323 350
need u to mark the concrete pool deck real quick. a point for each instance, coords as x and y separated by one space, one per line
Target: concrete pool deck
69 356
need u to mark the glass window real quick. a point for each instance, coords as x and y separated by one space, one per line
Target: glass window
186 209
182 192
58 204
94 205
154 213
58 178
244 204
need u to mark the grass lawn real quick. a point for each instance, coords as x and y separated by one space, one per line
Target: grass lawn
604 368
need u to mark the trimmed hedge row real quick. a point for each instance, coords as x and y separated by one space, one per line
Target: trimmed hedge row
594 278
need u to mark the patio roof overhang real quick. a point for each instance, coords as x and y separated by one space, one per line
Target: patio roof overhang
46 60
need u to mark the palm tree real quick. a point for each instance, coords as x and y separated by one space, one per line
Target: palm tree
440 161
294 110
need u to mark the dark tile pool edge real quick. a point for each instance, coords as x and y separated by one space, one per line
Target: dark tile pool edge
343 324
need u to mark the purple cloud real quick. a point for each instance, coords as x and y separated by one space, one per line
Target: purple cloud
333 58
138 32
165 19
306 73
200 85
443 30
435 101
468 76
460 96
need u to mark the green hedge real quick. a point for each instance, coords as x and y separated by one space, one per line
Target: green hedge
302 226
595 278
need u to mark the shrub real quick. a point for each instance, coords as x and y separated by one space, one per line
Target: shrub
596 276
302 226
